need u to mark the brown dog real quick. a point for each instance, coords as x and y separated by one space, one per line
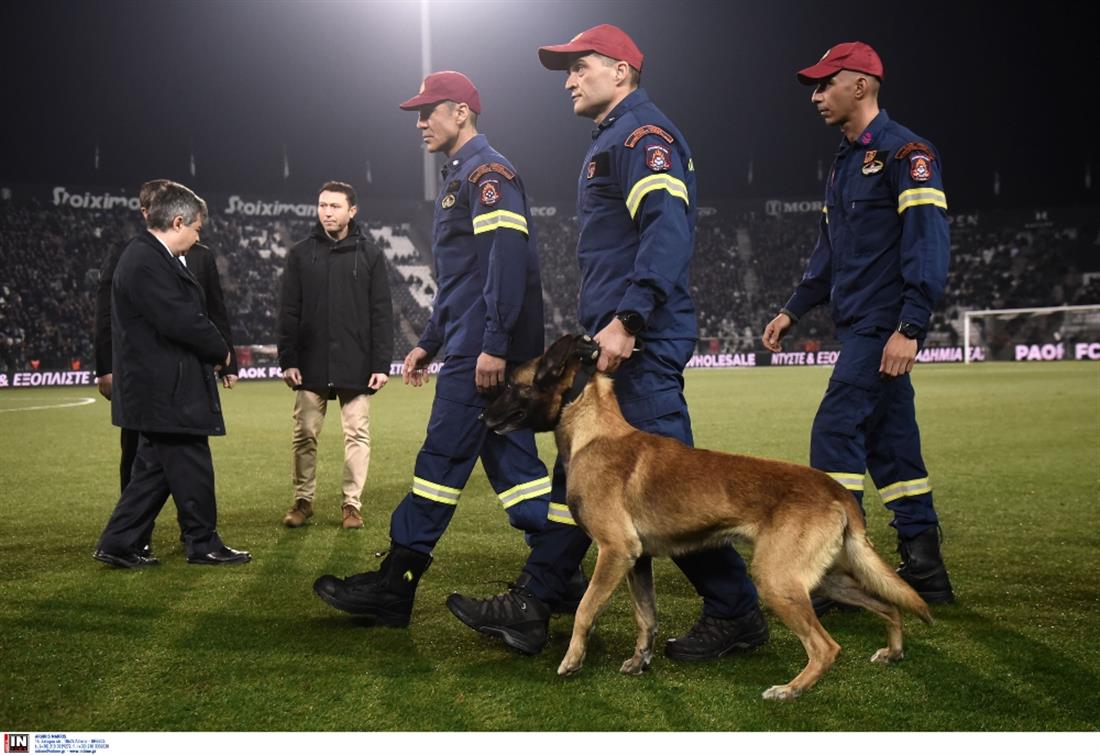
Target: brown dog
640 495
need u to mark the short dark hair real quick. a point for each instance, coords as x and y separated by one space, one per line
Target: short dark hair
172 201
344 188
150 189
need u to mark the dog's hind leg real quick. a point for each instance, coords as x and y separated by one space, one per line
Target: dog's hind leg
611 566
845 589
640 579
783 582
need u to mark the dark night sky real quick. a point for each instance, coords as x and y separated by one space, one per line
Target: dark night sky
235 81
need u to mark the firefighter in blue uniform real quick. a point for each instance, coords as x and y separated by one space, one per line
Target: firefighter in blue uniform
881 262
636 215
487 314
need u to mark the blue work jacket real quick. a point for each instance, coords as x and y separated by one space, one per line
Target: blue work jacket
883 250
636 218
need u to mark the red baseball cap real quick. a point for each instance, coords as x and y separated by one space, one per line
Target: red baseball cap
605 39
442 86
851 56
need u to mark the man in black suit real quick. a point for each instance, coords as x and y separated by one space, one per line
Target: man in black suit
202 264
166 354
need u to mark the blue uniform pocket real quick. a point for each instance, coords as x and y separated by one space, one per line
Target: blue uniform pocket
861 356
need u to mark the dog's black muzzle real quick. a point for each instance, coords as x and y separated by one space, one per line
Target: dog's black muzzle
502 425
505 412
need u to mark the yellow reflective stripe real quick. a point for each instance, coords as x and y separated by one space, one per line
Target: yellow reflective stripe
490 221
436 492
524 492
560 513
925 195
671 184
850 480
905 488
825 210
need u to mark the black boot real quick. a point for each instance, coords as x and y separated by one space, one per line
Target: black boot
388 597
330 583
922 567
516 616
822 605
574 591
712 638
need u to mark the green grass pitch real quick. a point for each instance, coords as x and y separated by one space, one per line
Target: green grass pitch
1014 455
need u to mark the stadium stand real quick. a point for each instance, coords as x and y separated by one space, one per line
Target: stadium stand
747 263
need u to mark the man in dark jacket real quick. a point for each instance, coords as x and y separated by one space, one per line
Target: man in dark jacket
200 261
335 341
165 355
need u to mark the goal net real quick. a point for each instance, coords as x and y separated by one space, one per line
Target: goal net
1040 334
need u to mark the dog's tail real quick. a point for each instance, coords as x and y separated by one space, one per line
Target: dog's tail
875 575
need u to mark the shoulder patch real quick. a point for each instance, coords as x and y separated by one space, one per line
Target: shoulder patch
914 147
489 190
500 168
658 158
920 167
638 133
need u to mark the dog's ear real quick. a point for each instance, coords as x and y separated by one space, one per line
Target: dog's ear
586 348
553 362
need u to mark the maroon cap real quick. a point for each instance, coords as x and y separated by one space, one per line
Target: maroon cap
442 86
605 39
851 56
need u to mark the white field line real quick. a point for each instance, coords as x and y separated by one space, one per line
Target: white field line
70 404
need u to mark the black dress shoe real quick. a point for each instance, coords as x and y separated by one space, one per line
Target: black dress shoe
220 557
124 560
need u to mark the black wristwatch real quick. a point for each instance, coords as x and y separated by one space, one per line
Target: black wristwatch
909 330
632 321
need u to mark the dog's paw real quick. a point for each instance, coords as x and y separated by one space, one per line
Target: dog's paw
886 655
569 668
636 664
781 692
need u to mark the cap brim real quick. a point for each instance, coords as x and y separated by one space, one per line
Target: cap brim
418 102
817 72
558 57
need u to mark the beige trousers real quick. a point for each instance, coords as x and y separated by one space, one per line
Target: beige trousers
309 417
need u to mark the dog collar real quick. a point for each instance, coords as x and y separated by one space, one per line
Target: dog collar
580 380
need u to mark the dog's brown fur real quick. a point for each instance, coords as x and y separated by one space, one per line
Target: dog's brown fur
639 495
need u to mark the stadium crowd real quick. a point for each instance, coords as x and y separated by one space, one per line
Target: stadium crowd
746 263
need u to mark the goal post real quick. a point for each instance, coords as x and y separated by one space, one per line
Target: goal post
1035 333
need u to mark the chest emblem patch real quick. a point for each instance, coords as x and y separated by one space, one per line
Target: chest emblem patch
871 165
448 202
